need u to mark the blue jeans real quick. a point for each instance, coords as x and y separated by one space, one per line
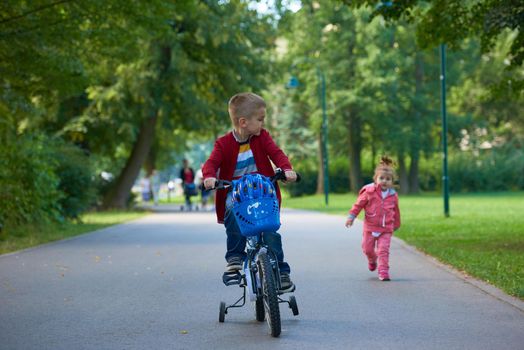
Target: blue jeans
236 243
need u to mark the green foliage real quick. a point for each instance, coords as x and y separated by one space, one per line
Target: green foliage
91 73
42 180
451 21
496 169
307 184
49 50
476 114
338 178
339 175
29 184
430 175
380 88
76 176
383 91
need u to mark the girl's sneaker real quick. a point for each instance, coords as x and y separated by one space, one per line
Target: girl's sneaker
384 277
372 266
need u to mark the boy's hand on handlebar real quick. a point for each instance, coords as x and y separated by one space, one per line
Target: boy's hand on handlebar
291 176
210 182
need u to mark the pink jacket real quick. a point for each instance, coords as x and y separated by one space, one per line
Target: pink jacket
382 215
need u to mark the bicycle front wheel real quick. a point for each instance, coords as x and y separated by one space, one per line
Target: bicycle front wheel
269 294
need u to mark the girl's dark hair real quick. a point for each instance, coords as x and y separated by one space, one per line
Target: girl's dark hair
387 165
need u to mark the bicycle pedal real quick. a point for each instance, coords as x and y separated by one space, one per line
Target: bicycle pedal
291 290
231 283
231 278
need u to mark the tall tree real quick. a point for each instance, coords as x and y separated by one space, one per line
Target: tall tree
47 48
214 51
125 70
452 21
379 95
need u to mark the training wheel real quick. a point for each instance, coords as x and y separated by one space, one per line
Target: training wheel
293 305
222 313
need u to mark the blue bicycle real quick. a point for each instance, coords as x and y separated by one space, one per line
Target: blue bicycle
256 209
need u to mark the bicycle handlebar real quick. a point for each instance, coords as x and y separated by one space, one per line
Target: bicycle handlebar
225 184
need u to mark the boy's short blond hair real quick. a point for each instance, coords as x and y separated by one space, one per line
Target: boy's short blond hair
244 104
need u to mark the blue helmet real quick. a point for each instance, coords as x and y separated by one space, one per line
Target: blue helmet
253 186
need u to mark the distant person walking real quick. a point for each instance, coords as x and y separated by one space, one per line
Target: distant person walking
145 187
187 175
204 194
155 186
382 216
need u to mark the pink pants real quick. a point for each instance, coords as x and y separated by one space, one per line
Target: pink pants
377 247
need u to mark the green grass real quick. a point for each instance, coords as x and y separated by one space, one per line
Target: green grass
31 235
483 237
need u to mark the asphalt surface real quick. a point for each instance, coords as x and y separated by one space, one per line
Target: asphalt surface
155 283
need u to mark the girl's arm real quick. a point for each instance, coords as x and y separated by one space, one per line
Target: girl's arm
397 216
361 202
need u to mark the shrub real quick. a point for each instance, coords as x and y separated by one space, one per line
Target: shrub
339 175
307 184
42 180
76 180
496 169
28 184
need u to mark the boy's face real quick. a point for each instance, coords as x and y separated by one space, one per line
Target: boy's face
384 180
254 124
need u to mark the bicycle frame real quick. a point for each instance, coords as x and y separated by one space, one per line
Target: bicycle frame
250 276
260 275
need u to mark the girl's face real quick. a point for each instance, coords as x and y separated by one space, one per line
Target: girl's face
384 179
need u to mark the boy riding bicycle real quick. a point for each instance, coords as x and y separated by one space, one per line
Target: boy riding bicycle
247 149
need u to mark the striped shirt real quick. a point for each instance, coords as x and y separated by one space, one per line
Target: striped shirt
245 161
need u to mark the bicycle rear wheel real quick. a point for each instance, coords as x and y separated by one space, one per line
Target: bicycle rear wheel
269 293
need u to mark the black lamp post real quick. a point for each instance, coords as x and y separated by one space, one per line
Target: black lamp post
445 178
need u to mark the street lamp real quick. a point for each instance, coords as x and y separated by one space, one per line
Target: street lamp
445 178
293 84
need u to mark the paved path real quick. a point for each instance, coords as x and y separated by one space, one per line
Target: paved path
155 283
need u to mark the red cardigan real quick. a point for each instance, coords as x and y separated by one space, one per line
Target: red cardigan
223 160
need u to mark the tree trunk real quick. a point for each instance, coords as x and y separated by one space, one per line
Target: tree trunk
355 149
402 174
118 195
150 162
414 186
416 139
